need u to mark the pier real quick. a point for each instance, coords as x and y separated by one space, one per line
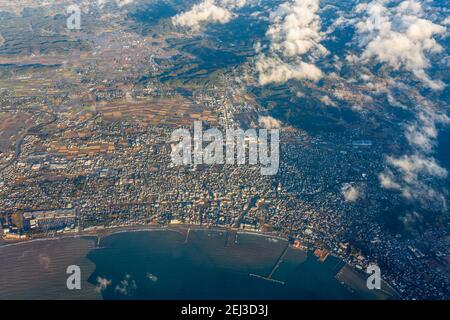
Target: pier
266 278
274 268
187 235
230 237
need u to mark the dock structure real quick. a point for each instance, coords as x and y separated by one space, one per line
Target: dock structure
279 261
187 235
230 237
274 268
266 278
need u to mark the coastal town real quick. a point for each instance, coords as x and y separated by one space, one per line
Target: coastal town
89 172
85 149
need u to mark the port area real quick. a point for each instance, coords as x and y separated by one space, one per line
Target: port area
355 280
321 254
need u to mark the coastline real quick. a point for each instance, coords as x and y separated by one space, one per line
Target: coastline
347 275
104 232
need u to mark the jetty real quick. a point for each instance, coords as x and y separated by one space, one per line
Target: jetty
274 268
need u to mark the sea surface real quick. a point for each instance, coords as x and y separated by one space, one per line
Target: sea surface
161 264
37 269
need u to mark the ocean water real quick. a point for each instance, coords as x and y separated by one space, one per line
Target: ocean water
160 264
37 269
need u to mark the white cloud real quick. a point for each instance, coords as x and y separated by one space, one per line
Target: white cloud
295 28
233 4
269 122
416 176
120 3
411 175
206 12
399 37
126 286
102 284
387 181
326 100
294 31
152 277
446 21
275 70
349 192
411 166
410 219
422 133
393 102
